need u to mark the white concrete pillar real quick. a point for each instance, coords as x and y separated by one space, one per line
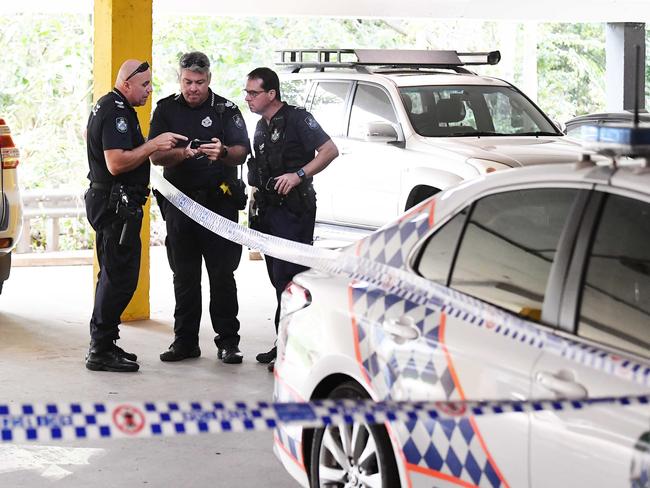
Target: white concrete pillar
621 41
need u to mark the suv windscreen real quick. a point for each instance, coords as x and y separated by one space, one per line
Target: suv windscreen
444 111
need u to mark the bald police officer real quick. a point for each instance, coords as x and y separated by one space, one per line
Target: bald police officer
118 157
290 148
208 175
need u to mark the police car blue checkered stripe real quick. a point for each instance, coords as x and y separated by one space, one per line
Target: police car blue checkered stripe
62 421
404 284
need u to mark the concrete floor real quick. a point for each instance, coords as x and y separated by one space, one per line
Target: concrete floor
44 314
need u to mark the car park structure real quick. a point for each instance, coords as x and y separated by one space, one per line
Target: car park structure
409 124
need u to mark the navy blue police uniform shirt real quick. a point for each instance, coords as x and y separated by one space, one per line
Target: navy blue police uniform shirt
203 122
294 133
113 124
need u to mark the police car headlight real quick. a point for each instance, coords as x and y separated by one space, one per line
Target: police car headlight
484 166
294 298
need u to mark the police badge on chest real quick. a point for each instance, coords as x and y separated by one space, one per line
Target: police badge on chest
275 135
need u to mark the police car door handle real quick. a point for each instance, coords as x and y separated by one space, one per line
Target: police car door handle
402 328
562 383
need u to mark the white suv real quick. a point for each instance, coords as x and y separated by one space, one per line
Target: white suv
411 123
11 207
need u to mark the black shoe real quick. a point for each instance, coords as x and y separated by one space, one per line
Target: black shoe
175 353
267 357
230 355
120 352
271 367
109 360
126 355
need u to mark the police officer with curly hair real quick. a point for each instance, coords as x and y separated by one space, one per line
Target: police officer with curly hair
118 157
207 173
290 148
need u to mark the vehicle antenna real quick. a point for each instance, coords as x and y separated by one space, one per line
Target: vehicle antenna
636 86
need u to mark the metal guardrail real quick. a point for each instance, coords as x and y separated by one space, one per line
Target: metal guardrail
50 205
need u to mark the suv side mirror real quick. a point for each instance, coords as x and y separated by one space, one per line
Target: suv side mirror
381 132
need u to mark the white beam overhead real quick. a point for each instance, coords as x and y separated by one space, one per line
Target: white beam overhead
512 10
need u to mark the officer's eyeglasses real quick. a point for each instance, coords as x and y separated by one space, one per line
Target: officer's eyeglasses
254 93
189 62
140 69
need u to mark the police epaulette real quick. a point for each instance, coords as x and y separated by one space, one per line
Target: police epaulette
173 96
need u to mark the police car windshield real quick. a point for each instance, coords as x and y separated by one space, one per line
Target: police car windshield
473 110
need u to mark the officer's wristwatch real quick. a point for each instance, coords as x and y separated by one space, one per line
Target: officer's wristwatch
224 153
301 174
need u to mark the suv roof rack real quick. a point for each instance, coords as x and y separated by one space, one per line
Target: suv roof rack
360 59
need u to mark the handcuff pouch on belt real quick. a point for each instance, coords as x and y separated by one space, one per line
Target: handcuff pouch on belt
127 202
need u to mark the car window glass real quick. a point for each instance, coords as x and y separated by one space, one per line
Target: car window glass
438 252
616 294
508 247
295 92
371 104
328 106
465 110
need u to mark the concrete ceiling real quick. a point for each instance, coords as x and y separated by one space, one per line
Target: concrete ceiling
519 10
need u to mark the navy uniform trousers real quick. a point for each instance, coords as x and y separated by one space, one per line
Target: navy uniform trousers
281 222
119 266
187 244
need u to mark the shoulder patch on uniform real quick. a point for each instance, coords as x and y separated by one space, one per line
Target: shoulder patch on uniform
121 125
311 122
119 103
173 96
300 108
229 104
239 121
96 109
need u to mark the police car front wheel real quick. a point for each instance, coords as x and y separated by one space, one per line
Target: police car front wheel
352 456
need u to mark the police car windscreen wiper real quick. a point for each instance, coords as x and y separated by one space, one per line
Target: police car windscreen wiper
536 133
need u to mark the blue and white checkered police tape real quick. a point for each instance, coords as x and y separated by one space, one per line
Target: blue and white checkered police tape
85 420
406 285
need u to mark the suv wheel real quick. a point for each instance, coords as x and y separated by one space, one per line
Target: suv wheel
351 456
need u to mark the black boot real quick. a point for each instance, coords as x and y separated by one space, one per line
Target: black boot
267 357
108 359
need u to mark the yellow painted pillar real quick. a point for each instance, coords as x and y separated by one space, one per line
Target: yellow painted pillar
123 31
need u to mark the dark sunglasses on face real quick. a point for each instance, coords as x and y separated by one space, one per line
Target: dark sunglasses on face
189 62
140 69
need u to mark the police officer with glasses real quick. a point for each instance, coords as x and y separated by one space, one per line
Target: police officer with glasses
290 148
118 158
206 171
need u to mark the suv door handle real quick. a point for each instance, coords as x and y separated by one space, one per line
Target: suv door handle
562 383
402 329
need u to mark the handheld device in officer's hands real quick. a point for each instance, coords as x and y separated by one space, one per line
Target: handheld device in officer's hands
195 143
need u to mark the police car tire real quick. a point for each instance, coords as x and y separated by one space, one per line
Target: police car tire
385 455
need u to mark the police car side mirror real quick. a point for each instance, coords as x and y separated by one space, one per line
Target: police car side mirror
380 131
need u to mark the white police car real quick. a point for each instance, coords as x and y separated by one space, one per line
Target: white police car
410 123
561 250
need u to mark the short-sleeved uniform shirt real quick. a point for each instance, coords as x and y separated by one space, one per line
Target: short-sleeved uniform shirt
216 117
113 124
294 133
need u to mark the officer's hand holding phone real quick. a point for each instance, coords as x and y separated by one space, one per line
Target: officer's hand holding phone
212 149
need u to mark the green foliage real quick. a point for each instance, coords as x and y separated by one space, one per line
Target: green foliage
571 66
45 94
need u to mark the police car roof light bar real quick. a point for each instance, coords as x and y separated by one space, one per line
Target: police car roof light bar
411 58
